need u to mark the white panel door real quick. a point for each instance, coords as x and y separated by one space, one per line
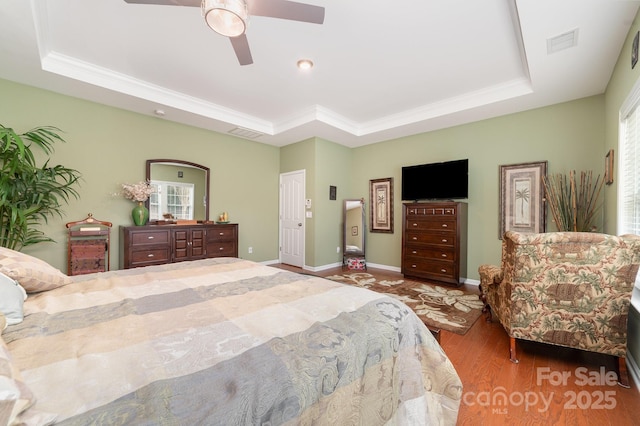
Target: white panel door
292 215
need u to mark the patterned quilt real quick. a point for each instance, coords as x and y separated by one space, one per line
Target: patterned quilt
228 342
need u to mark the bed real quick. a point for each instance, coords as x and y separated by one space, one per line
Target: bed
218 341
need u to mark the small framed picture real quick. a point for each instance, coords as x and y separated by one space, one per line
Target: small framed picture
354 231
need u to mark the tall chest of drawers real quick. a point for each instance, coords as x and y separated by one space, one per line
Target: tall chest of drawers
434 241
159 244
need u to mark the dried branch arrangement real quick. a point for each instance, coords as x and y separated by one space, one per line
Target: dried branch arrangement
573 205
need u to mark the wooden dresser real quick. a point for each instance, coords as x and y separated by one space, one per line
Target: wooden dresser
434 241
159 244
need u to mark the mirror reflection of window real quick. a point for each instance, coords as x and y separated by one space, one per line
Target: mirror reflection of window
181 172
174 198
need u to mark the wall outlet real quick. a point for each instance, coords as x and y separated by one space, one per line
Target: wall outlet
250 250
337 249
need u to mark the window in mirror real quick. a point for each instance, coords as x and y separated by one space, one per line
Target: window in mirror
184 189
171 198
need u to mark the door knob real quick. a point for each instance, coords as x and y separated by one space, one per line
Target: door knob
300 224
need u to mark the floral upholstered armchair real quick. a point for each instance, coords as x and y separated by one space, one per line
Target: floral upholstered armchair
564 288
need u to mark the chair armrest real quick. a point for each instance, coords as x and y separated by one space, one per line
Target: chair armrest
490 274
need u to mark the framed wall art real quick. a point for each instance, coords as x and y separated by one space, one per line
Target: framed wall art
522 206
332 192
381 201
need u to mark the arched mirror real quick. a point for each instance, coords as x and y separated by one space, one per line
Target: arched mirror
353 244
182 190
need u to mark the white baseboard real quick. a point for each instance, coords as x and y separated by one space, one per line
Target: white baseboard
472 282
322 267
372 265
385 267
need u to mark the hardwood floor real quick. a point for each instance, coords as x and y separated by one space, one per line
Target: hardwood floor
549 386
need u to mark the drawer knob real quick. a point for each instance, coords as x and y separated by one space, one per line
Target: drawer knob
444 240
221 248
414 238
150 255
444 225
444 271
444 255
415 224
414 252
222 233
150 237
413 266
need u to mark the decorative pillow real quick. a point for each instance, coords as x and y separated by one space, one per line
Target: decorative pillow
15 397
12 297
32 273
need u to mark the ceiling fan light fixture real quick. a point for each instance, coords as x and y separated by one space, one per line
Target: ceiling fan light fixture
226 17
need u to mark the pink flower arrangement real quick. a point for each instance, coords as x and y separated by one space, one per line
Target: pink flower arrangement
139 192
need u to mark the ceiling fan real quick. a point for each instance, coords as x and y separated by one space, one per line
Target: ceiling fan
230 17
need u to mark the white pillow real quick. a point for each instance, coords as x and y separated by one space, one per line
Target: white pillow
12 297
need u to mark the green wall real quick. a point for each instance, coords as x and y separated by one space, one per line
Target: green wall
568 136
326 164
109 146
620 84
301 156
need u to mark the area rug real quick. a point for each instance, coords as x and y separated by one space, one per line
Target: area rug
439 307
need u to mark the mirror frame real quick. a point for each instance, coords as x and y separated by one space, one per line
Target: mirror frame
362 252
188 164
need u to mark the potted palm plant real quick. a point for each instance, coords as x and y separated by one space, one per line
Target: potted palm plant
30 194
573 204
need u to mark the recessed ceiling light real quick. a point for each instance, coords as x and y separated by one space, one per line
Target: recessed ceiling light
305 64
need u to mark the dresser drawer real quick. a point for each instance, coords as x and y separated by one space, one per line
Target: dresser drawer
414 253
222 249
141 238
440 238
149 256
222 233
422 211
431 224
424 267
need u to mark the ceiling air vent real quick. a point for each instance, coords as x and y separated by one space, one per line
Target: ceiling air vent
245 133
562 41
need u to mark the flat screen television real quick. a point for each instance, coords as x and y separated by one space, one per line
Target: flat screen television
436 181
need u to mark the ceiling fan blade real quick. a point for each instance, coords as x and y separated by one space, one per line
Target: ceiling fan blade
285 9
241 47
192 3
